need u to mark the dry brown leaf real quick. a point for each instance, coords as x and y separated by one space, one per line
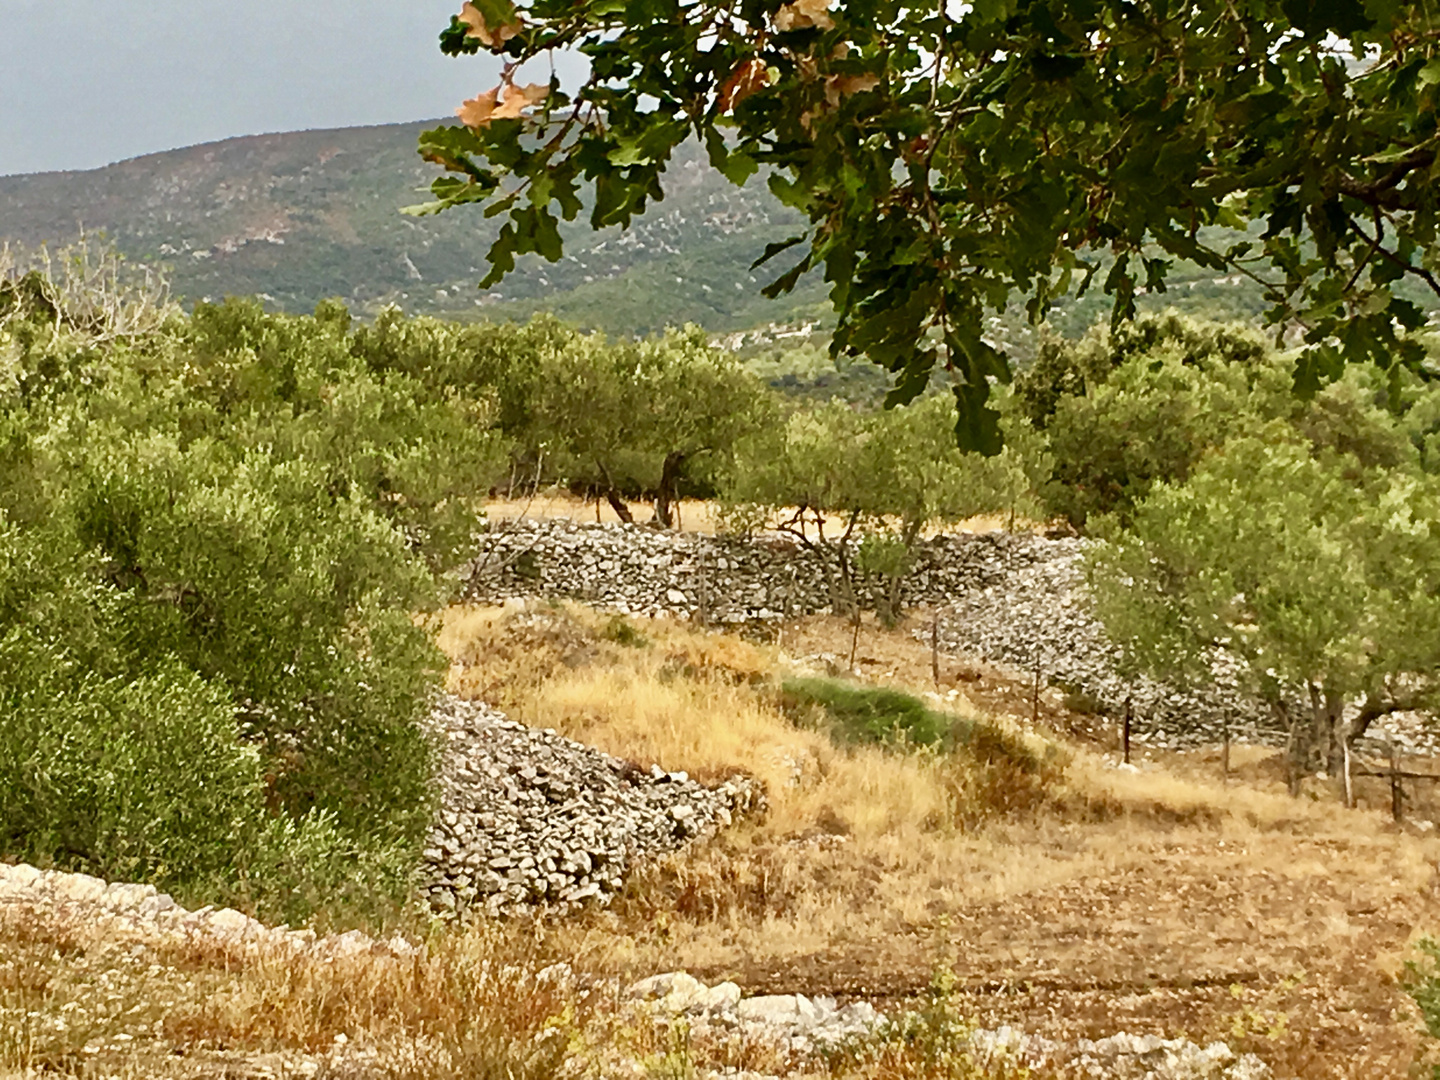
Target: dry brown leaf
747 78
492 37
803 14
477 111
533 93
518 98
842 86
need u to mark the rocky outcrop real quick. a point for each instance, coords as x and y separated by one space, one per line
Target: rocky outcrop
800 1026
529 817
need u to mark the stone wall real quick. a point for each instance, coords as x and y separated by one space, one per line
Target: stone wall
1013 599
645 571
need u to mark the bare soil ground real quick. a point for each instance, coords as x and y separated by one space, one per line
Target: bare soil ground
1171 903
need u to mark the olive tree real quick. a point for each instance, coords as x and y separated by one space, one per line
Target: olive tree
1321 577
889 475
650 407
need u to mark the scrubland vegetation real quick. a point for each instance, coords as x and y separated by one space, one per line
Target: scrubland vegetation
229 543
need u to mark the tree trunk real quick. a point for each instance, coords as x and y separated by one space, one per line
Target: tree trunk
848 593
1339 735
665 494
612 496
909 537
1326 713
1294 745
618 505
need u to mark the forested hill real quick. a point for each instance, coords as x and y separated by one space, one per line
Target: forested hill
300 216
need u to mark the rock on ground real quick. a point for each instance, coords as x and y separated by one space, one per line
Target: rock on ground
801 1025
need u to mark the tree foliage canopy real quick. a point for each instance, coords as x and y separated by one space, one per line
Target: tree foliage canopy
1317 574
953 155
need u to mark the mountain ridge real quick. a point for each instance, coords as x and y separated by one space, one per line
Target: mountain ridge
295 217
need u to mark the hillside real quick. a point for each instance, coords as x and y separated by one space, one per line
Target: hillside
301 216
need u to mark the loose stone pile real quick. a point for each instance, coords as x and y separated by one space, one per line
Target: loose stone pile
799 1026
529 817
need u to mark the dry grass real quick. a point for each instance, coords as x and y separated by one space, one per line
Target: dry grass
77 996
1160 900
693 515
1104 900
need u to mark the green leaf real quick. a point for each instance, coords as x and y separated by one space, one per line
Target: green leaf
775 248
1316 18
977 426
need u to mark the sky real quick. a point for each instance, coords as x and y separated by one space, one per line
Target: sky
83 85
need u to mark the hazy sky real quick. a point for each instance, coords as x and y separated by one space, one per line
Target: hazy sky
82 85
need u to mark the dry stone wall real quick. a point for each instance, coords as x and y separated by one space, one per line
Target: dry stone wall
528 817
1015 599
645 571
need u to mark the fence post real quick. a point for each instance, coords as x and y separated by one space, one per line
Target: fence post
1035 696
704 609
1396 795
1345 764
1128 712
1225 751
935 647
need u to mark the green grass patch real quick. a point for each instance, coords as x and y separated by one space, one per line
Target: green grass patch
855 713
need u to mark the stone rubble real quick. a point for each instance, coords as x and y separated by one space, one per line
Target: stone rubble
798 1025
144 912
528 817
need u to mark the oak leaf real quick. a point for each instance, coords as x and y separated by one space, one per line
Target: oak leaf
748 77
477 111
842 86
492 37
518 98
804 14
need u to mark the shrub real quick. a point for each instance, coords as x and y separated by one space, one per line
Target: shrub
1422 982
213 540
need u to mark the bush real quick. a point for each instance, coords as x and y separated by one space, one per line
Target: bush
214 538
1422 982
133 779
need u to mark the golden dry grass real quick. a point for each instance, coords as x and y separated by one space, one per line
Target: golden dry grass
1145 901
693 515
